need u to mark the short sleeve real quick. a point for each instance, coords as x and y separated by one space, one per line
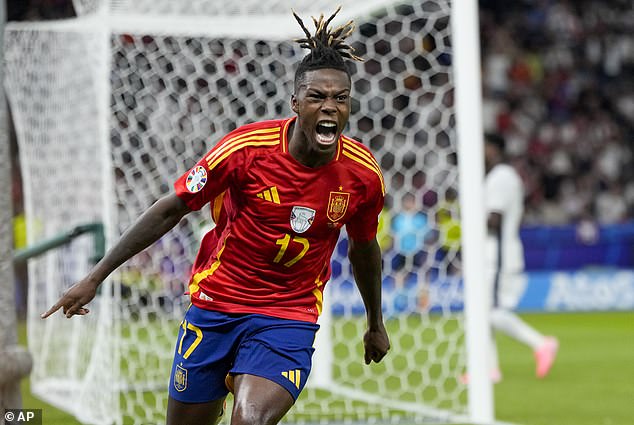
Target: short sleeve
210 177
363 225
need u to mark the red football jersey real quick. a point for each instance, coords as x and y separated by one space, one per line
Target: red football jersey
277 221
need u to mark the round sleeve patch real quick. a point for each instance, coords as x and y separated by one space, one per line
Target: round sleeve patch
196 179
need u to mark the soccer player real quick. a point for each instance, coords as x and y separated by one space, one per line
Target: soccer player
504 194
280 191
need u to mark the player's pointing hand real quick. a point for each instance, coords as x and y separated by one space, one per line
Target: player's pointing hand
73 300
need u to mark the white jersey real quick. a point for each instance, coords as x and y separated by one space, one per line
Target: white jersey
504 194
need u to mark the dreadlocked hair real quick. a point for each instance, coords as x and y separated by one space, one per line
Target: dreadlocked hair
327 46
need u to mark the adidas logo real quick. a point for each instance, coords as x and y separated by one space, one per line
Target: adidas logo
270 195
294 376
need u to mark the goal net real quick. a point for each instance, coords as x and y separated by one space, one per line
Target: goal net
112 106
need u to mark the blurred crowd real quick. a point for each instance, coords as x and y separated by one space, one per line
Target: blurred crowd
558 85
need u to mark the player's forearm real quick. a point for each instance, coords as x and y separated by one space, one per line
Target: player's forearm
366 267
157 220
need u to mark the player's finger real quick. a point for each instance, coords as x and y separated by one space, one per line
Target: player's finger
377 356
74 309
52 310
367 357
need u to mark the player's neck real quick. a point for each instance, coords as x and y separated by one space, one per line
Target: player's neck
300 148
492 164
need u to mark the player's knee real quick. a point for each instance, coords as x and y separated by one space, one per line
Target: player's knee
497 317
250 413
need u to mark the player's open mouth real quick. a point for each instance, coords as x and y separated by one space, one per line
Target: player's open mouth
326 132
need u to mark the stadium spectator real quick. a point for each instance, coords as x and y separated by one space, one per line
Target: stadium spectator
556 87
384 232
280 192
409 229
449 233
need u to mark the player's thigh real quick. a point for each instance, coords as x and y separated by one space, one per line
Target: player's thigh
279 350
179 413
203 355
259 401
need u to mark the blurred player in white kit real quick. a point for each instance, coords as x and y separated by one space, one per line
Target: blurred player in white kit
504 194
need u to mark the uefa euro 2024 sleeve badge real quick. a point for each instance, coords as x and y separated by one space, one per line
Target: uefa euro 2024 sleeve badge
301 218
196 179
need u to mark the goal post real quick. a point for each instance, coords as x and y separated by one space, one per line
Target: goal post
469 131
111 107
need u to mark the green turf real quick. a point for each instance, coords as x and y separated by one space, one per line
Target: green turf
591 383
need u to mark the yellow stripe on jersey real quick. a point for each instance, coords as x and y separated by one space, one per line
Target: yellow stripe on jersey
276 196
318 294
217 206
194 285
285 135
320 300
362 157
367 165
353 147
251 141
261 131
227 146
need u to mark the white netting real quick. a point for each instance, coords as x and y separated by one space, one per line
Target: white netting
170 97
51 87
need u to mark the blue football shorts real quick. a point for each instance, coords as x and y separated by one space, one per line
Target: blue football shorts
211 345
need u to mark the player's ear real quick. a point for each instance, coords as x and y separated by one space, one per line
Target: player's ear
294 106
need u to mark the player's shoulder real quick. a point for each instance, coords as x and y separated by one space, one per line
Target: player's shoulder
261 129
360 158
250 139
504 171
351 145
256 135
505 174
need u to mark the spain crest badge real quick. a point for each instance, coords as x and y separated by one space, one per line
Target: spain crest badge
337 205
180 378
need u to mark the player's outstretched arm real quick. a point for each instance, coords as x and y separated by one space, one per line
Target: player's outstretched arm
157 220
365 258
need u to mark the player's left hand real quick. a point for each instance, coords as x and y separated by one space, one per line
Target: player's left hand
376 344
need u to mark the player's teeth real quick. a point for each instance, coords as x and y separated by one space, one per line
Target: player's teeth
326 139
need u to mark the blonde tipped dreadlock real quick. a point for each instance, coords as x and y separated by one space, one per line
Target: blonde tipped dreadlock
327 47
326 38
